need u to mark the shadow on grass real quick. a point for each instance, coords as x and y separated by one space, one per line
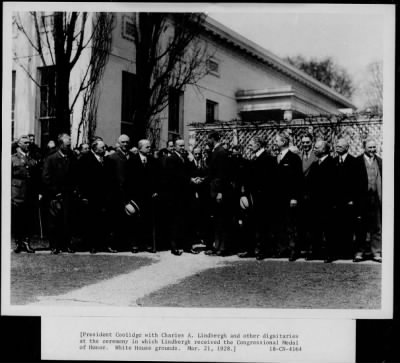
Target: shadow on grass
276 284
45 275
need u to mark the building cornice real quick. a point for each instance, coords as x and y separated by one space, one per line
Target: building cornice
245 45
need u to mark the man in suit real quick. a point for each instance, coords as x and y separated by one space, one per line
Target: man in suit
22 195
116 166
141 187
220 194
93 185
175 195
288 186
257 185
59 180
347 192
308 157
370 222
320 185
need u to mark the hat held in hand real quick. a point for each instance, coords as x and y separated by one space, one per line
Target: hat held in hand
132 208
245 202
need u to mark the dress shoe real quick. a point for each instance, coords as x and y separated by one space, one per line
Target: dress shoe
18 248
93 251
293 257
221 253
27 247
309 257
210 253
176 252
358 258
55 251
260 256
192 251
110 250
151 249
377 258
134 249
328 259
70 250
246 255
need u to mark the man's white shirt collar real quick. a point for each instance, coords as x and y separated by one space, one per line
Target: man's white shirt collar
369 159
283 153
216 145
259 152
142 157
323 158
99 158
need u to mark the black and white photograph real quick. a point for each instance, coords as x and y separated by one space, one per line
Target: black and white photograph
238 159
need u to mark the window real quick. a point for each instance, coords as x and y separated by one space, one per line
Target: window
13 104
46 23
47 103
128 28
128 104
211 111
175 111
213 66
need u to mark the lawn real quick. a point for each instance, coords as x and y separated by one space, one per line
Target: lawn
34 275
276 284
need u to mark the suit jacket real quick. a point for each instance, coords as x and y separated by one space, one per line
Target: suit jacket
22 174
218 167
259 174
306 163
93 180
349 181
288 181
59 174
364 179
322 183
141 180
176 176
116 167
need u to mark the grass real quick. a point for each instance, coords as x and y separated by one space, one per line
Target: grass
44 275
276 284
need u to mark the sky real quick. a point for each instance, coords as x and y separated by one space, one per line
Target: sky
353 36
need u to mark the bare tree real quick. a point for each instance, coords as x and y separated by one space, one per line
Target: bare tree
374 87
169 55
59 39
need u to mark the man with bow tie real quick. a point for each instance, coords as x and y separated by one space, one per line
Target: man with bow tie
141 186
93 188
287 191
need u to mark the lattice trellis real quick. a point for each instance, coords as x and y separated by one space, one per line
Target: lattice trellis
236 133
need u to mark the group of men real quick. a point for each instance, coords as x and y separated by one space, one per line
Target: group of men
282 204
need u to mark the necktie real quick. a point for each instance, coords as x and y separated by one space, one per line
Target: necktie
144 161
279 157
340 159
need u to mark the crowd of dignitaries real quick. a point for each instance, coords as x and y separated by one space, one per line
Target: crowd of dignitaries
277 203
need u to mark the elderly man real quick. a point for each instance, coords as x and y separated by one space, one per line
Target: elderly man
320 186
258 185
93 185
116 166
287 186
370 223
347 192
142 188
22 195
59 180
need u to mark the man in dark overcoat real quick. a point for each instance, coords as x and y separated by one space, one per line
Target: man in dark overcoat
59 181
347 192
116 166
369 231
287 191
142 188
93 188
22 195
320 181
258 186
220 194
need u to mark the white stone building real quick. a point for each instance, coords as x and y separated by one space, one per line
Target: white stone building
245 82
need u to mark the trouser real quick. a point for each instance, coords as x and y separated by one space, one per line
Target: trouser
121 230
343 226
284 228
60 223
369 228
322 240
21 226
305 224
222 220
96 229
143 225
